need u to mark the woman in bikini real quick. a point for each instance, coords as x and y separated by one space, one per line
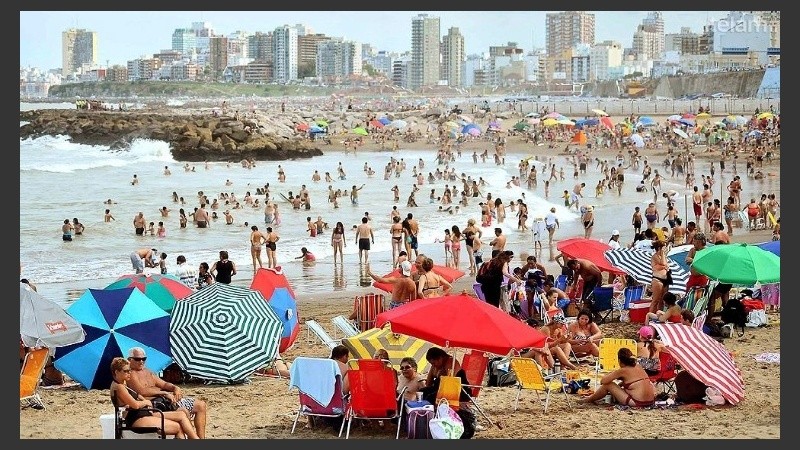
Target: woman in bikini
635 388
731 213
455 245
661 277
584 335
673 312
448 238
588 222
470 233
431 284
337 242
651 214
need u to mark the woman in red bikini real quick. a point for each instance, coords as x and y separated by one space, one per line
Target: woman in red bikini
635 388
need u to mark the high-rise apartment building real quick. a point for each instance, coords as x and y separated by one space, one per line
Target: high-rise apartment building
260 47
425 52
184 40
78 47
453 57
649 39
217 56
338 59
565 29
284 49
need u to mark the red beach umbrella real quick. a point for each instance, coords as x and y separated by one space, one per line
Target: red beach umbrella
448 273
376 123
302 127
277 290
589 249
704 358
460 321
164 290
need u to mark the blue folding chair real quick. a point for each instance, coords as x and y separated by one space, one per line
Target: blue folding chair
602 300
632 294
561 282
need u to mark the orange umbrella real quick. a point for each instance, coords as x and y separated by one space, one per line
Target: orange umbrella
376 123
301 127
448 273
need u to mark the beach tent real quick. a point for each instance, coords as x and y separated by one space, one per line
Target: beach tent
275 287
579 138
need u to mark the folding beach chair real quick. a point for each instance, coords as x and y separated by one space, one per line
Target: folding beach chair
700 321
609 360
319 382
475 365
123 431
667 372
693 297
561 282
30 376
373 394
314 327
367 308
632 294
450 389
345 326
530 375
702 295
602 300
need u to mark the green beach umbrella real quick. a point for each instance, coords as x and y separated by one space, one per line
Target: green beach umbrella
360 131
321 123
738 264
521 126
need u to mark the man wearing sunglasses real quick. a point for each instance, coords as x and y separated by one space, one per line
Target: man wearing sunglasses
149 385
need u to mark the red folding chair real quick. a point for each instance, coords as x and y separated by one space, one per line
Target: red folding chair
373 393
475 365
667 372
307 372
367 308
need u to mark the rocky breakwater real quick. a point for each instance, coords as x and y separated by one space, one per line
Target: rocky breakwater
192 137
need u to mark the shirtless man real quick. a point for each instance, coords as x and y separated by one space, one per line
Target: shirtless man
257 239
697 203
354 194
139 224
271 239
66 230
590 273
403 287
201 216
577 194
499 242
413 232
364 236
269 213
678 235
144 257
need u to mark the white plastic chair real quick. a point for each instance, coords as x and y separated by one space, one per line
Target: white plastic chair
314 327
345 326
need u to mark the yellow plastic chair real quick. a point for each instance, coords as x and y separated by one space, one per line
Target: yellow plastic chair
30 375
449 389
609 359
531 376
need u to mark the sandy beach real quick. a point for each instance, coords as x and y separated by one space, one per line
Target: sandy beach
265 408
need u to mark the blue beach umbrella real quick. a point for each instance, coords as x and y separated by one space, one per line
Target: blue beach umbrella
384 120
115 320
772 247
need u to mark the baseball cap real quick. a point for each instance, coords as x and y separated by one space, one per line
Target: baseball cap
615 233
646 332
559 319
405 268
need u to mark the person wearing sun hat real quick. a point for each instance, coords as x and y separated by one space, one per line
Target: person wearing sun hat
559 343
613 242
648 350
588 222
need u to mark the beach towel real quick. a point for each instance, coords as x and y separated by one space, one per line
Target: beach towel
774 358
315 378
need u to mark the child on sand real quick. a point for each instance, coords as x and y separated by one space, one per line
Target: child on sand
162 263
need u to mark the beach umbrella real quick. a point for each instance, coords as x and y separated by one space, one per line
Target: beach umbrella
565 121
765 115
636 263
533 115
687 116
474 132
384 120
678 254
735 120
606 121
645 121
450 124
738 264
772 247
301 127
674 118
600 112
680 133
164 290
224 333
637 140
494 124
399 346
45 323
360 131
704 358
461 321
688 122
376 123
321 123
448 273
399 124
275 287
754 134
703 116
316 129
553 115
115 320
534 121
549 122
588 249
469 127
521 126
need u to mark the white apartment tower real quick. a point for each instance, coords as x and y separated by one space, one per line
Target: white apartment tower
649 38
337 60
453 57
566 29
78 47
284 50
425 59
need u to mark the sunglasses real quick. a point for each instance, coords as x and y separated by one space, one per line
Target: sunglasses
406 367
142 359
126 370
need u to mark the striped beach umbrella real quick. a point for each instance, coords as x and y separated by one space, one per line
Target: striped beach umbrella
704 358
636 263
224 333
164 290
275 287
115 320
364 345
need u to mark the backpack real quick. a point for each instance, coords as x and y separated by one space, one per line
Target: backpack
500 373
418 421
734 313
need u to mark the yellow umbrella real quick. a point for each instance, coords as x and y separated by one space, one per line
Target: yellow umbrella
364 345
450 124
765 115
600 112
549 122
702 116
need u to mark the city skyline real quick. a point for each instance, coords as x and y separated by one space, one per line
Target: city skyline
41 31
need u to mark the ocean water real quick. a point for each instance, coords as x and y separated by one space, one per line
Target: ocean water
62 180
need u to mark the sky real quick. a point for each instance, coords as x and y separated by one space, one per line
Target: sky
127 35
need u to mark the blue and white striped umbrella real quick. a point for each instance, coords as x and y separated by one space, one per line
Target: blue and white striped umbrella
224 333
636 263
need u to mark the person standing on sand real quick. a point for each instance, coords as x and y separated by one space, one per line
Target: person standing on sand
364 236
257 239
271 244
697 203
139 224
551 223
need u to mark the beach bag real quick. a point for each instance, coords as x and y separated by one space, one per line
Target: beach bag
756 318
500 373
447 424
162 403
733 313
418 422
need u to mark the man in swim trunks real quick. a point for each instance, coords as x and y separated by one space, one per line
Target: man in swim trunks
201 216
139 223
66 230
697 203
413 232
269 213
144 257
364 236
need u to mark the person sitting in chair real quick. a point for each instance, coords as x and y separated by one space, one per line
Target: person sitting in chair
584 335
635 388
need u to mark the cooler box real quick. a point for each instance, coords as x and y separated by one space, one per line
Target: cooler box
107 425
638 311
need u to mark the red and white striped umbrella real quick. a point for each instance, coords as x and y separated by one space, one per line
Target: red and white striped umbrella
704 358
